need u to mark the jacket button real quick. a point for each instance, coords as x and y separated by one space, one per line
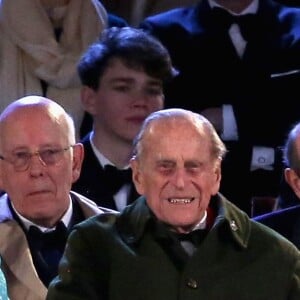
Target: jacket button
192 283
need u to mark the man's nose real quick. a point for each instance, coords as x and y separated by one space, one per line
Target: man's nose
139 98
179 178
36 164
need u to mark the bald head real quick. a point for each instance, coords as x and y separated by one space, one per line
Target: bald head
36 107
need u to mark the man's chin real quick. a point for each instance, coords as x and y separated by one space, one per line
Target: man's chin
42 218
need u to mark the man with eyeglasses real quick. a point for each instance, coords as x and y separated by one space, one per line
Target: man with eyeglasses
39 161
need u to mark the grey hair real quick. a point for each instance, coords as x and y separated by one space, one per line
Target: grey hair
218 148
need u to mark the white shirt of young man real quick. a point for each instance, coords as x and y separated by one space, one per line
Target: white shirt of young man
122 195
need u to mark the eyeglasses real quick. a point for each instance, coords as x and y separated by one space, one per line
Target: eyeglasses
21 159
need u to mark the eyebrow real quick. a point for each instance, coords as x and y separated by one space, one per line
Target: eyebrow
187 163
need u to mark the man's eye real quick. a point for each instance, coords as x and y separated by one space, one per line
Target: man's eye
154 91
165 168
121 88
193 170
20 155
49 152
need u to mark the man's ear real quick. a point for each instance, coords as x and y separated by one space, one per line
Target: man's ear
88 99
137 176
217 178
293 180
78 155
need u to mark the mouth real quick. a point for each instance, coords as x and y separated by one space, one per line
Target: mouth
38 192
181 200
136 119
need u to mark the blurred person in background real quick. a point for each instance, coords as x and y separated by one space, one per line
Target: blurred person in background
41 42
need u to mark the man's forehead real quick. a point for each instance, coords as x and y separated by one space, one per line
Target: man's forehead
29 115
31 130
173 132
179 150
176 123
178 159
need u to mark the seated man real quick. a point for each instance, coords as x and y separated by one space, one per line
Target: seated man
181 239
39 160
122 78
287 221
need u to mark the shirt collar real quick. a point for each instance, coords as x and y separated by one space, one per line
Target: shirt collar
202 223
101 158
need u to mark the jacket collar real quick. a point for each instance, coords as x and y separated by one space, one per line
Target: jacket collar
88 207
15 254
230 220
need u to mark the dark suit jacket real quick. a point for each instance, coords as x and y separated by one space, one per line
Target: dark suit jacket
92 182
285 221
116 21
212 74
237 260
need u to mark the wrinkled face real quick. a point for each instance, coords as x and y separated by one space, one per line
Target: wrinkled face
123 100
40 193
177 174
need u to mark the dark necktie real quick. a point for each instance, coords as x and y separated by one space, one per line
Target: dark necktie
162 232
52 238
195 237
247 23
47 249
115 178
170 241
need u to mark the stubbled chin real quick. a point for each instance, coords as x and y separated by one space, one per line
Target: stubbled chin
180 217
41 200
183 226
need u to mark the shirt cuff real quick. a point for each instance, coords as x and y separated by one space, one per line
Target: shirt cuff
262 158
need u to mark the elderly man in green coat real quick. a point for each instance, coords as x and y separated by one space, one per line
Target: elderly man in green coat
181 240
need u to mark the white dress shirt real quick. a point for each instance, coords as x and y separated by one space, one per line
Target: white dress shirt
262 157
122 195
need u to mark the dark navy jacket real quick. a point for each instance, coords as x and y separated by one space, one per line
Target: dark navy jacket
285 221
